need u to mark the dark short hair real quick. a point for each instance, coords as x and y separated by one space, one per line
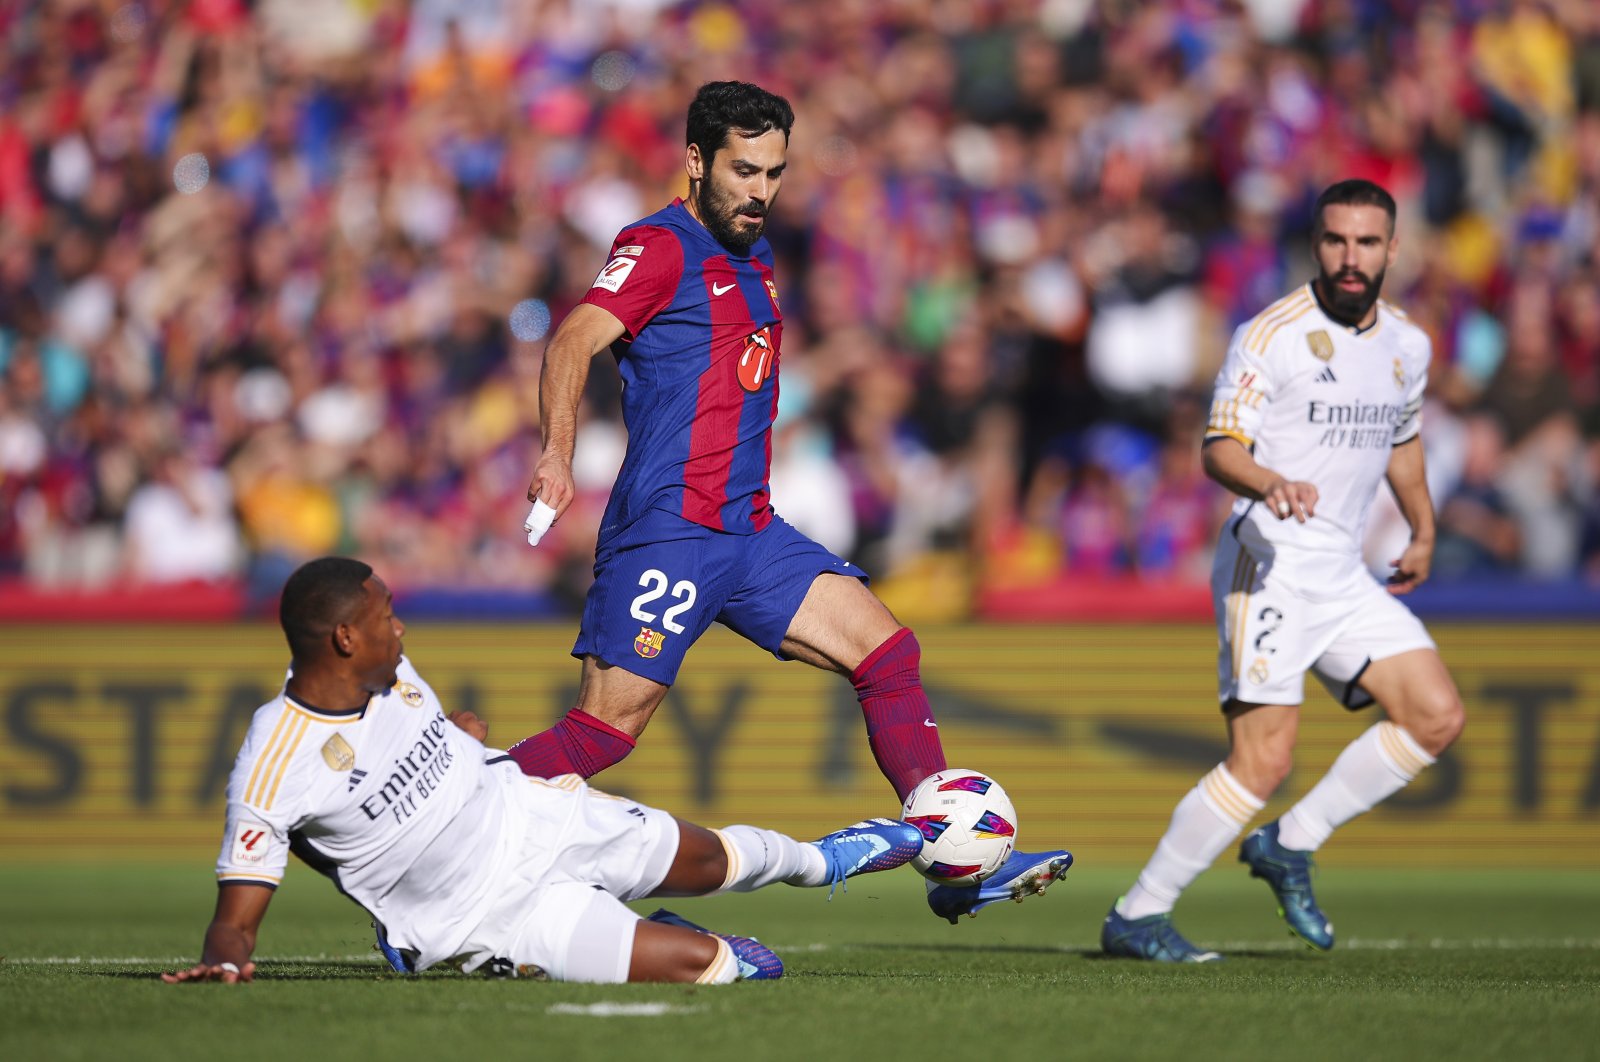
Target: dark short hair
320 595
723 106
1354 192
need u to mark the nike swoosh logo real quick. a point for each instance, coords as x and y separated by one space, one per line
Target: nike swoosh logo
719 289
930 722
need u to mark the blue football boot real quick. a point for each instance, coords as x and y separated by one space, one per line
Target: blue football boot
1289 873
1024 874
399 960
1152 938
867 847
757 962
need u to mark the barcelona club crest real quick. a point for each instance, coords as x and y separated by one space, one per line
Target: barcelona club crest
649 643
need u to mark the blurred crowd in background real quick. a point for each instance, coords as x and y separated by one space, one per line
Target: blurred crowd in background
276 276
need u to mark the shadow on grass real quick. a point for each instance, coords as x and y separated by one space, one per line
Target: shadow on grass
313 971
1091 954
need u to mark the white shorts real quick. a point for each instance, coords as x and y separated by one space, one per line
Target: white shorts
560 913
1269 634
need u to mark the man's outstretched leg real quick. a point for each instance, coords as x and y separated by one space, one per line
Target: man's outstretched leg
746 858
840 626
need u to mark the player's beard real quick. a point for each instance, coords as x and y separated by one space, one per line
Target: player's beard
720 211
1351 307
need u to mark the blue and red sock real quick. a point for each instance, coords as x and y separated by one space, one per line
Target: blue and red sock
900 725
579 744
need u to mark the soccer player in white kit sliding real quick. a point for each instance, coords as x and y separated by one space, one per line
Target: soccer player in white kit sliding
1318 401
458 857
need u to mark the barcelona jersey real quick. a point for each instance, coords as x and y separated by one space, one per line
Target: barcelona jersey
699 364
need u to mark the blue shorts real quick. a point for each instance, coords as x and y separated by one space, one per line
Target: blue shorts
660 583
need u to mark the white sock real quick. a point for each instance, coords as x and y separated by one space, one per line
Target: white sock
724 969
1372 768
757 858
1204 823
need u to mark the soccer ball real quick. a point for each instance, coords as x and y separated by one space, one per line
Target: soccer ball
968 826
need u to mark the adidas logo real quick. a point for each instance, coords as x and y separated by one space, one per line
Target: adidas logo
1327 376
355 780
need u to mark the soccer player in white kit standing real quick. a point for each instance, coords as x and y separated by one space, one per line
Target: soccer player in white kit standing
1318 401
356 768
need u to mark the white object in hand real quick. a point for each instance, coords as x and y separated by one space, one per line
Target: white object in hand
540 517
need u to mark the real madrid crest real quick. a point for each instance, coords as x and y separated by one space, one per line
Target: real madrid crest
1321 344
1258 671
337 753
1399 375
409 693
649 643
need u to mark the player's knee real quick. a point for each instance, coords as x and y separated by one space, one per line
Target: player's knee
681 957
1261 768
1437 720
701 863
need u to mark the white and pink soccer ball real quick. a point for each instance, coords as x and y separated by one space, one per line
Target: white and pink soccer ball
968 826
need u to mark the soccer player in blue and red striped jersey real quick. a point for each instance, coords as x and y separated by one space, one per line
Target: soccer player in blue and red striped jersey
688 304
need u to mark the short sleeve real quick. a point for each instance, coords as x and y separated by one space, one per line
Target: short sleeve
1409 423
254 851
1240 395
640 277
262 805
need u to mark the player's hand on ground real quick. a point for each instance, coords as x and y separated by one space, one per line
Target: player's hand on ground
1290 498
470 722
226 972
1411 568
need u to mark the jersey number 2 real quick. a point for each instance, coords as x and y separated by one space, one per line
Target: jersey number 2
656 581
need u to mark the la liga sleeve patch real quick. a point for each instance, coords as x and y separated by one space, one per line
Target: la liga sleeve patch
615 272
251 840
640 278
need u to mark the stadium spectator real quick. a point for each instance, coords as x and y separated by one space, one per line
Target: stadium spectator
213 209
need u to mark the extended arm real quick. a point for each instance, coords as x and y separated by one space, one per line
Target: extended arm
586 332
231 937
1228 462
1409 481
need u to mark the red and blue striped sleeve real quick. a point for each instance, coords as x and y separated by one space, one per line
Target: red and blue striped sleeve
640 278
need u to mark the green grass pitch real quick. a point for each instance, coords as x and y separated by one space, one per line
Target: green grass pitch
1437 964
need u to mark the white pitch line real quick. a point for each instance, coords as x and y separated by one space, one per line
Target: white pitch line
620 1010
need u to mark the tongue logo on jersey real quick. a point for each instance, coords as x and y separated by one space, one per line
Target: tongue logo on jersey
755 364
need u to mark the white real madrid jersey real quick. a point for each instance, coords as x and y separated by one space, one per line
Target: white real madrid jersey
1325 405
393 802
